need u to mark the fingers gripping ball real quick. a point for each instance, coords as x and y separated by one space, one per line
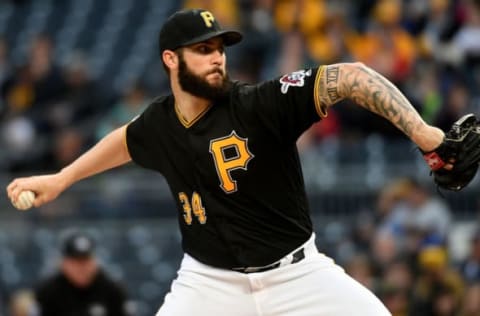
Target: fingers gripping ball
24 201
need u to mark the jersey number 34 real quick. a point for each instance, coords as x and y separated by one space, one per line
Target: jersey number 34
195 207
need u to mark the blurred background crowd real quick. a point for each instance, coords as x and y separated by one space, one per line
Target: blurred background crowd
71 71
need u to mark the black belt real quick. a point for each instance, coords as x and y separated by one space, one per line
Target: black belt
297 256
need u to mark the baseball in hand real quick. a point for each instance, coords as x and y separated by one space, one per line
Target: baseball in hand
24 201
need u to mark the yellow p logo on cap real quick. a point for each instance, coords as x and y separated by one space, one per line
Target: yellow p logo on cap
208 18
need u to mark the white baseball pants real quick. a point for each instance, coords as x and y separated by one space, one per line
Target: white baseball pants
314 286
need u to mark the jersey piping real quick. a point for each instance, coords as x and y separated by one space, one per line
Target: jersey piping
321 109
125 144
186 123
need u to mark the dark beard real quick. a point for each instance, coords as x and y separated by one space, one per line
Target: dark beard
200 87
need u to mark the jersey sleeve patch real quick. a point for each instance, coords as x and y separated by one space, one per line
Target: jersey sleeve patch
294 79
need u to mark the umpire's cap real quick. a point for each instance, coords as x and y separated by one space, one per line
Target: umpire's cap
187 27
78 245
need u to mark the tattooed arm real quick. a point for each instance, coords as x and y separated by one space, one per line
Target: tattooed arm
374 92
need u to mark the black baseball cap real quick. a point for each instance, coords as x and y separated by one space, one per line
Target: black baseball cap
78 245
192 26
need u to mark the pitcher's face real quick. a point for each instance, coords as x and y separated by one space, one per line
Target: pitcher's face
202 69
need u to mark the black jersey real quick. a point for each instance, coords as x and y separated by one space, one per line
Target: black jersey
234 171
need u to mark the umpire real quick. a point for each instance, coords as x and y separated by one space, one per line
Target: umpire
80 287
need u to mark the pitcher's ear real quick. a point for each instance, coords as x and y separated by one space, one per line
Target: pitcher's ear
170 58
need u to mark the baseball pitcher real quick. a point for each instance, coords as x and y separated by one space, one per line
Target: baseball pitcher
227 150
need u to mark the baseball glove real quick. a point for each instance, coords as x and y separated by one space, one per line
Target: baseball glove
461 146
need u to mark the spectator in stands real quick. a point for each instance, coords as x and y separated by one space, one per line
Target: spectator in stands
466 39
399 274
395 286
395 299
361 269
22 303
81 287
467 44
67 145
363 231
446 301
17 138
470 268
428 215
18 92
384 250
456 105
386 46
132 104
438 289
28 93
438 23
471 301
71 120
37 82
328 42
302 25
391 209
256 59
424 87
408 211
81 101
47 76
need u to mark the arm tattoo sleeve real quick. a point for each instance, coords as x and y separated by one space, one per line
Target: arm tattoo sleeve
370 90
